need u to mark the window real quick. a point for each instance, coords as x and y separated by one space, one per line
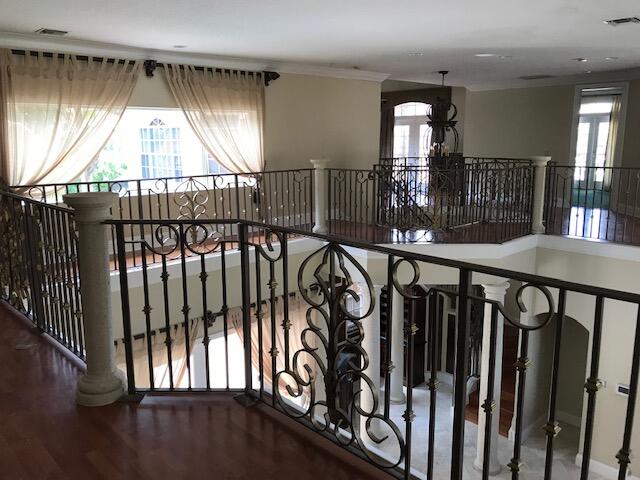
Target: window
160 145
598 120
150 143
411 133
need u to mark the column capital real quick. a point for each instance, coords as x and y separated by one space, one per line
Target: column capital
540 160
91 207
496 291
319 163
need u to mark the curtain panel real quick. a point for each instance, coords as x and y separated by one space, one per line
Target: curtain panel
226 111
57 112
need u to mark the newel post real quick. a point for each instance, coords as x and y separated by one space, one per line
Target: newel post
540 175
102 383
319 188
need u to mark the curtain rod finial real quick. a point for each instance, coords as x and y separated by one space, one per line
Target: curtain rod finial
149 67
269 77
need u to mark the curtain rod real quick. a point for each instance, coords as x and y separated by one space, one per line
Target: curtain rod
85 58
267 76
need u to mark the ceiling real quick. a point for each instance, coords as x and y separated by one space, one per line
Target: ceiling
409 39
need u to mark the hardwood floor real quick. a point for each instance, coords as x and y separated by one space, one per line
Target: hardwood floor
45 435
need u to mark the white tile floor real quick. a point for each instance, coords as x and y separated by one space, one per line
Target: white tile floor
533 449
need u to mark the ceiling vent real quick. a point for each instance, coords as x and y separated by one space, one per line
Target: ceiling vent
535 77
621 21
51 31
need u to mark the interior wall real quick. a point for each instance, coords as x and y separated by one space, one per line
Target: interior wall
573 371
631 144
535 121
519 122
305 117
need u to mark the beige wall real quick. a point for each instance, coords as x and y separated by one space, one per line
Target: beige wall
535 121
519 122
631 144
305 117
310 117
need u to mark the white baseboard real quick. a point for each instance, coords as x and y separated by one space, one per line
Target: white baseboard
538 423
569 419
603 469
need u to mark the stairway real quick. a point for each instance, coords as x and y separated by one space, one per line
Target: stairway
507 396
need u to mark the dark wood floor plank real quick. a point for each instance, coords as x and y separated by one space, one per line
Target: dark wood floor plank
45 435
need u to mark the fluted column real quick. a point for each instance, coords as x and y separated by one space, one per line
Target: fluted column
371 345
102 383
397 348
320 194
537 215
497 293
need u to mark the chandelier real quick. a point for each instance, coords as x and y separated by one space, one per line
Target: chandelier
443 125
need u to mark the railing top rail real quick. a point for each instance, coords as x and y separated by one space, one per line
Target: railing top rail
33 201
159 179
561 165
419 257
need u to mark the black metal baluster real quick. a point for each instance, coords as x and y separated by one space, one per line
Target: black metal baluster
206 314
433 382
592 386
410 332
225 310
624 453
460 379
185 302
274 350
146 309
126 310
552 428
258 314
243 236
164 276
286 323
489 403
521 366
388 337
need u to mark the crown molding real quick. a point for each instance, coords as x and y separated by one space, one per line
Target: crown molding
87 47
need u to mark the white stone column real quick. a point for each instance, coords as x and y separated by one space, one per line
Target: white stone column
371 345
102 383
537 215
397 348
320 197
492 292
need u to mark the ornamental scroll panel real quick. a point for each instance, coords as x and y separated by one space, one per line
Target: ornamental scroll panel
332 358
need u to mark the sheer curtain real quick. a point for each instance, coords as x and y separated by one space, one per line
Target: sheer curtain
225 110
57 112
612 138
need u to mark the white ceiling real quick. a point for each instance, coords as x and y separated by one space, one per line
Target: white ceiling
541 37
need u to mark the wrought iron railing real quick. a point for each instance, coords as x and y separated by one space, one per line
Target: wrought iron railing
301 329
478 202
279 197
593 202
38 267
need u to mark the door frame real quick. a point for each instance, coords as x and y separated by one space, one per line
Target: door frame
623 87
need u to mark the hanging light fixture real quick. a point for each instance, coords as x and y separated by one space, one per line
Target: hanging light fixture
443 125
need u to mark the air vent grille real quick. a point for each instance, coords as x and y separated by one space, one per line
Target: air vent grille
51 31
621 21
535 77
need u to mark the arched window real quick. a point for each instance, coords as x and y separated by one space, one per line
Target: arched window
411 134
160 154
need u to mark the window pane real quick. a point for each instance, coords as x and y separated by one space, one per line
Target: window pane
582 149
411 109
598 107
401 140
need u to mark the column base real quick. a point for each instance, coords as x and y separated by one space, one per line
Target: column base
97 391
319 229
493 469
398 400
538 230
